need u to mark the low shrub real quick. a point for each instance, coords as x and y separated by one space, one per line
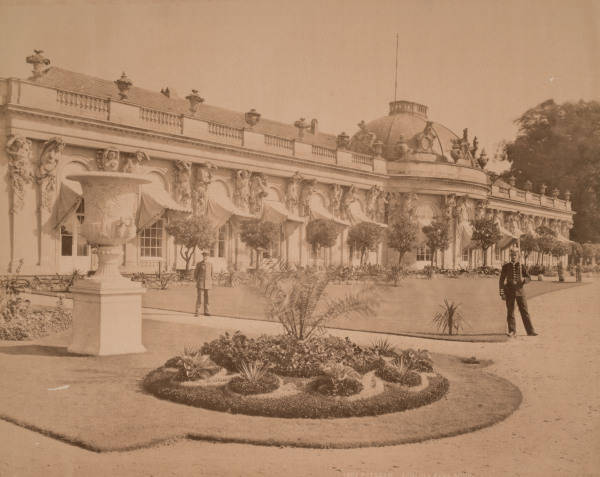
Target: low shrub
20 321
160 383
418 360
192 366
329 386
265 384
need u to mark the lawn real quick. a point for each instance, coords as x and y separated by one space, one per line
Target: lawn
406 309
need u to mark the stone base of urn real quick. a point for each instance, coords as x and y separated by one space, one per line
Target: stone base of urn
107 310
107 319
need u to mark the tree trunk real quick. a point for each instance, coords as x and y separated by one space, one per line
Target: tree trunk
450 324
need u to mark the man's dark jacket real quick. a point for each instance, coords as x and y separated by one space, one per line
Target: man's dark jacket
512 279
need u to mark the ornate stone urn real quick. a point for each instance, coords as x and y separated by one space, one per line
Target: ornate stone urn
107 315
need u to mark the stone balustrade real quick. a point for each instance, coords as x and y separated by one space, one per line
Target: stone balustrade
520 195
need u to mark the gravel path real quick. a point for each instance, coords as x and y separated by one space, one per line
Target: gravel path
556 432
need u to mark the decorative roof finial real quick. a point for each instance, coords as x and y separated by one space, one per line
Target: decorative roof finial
123 83
38 61
252 117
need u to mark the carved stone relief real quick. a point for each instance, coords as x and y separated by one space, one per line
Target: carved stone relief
258 191
200 191
133 161
373 203
19 168
108 160
348 198
308 189
46 173
335 196
425 140
183 182
292 192
241 193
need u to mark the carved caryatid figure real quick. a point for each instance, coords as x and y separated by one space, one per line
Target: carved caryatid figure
133 162
450 206
241 194
480 209
462 211
204 175
308 189
19 167
258 191
46 173
292 192
335 195
373 195
514 224
410 206
363 140
347 200
108 160
183 182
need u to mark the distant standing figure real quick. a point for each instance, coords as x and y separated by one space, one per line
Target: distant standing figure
512 278
203 277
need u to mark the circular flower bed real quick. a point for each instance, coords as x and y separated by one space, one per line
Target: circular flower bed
321 378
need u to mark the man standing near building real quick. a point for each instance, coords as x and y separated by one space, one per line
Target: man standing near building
513 277
203 278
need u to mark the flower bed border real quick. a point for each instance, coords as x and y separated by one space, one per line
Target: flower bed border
160 383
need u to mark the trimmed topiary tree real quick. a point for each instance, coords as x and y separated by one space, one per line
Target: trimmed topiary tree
364 237
485 234
438 237
321 233
529 244
401 236
259 236
192 232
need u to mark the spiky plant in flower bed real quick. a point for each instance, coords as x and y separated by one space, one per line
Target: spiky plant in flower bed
254 378
398 372
449 319
383 347
337 380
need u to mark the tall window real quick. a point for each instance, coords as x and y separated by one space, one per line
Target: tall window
68 245
465 254
221 241
497 253
423 254
82 245
151 240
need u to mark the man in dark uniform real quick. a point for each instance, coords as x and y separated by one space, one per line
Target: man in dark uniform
203 278
513 277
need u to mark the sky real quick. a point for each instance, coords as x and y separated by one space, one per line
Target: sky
476 64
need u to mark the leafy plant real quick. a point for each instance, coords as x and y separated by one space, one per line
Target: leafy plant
338 380
253 371
192 232
449 319
364 237
529 244
418 360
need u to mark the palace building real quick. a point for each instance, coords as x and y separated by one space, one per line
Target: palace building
234 166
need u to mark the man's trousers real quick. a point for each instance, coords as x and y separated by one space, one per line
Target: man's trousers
199 293
510 313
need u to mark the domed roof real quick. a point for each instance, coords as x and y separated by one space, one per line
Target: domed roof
404 131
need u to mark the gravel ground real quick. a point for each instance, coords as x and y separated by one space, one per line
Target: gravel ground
555 432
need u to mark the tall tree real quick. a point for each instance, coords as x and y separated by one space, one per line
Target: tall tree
192 232
438 236
529 244
485 234
559 145
401 236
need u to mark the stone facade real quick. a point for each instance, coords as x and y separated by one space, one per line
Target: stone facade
233 166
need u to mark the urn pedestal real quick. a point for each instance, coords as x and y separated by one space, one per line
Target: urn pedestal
107 308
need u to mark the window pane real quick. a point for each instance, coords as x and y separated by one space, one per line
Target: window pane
66 243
